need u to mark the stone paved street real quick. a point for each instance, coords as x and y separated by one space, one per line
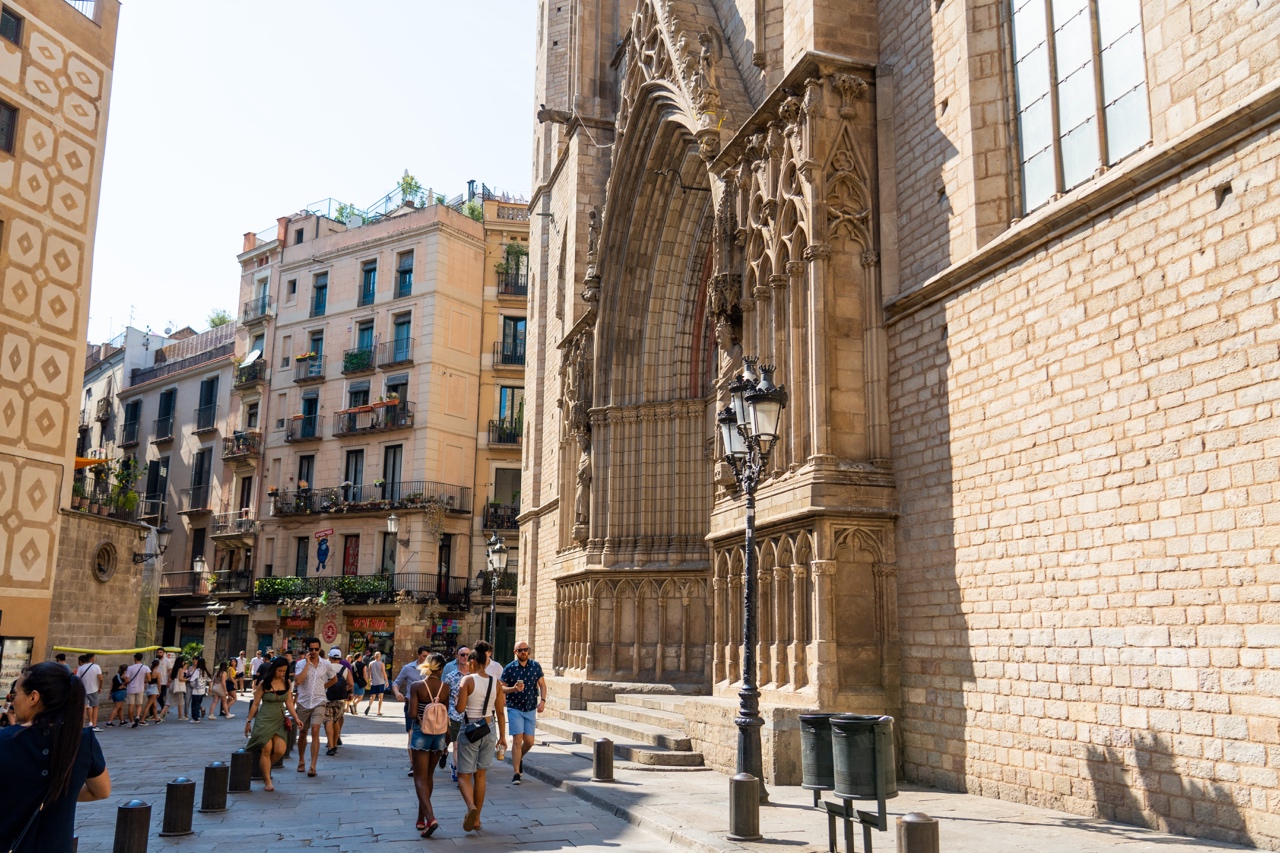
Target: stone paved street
361 796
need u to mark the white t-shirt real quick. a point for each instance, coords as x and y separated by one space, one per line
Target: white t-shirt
166 668
312 694
240 662
493 668
256 664
91 677
136 678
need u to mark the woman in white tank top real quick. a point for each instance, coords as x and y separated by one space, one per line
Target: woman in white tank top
480 697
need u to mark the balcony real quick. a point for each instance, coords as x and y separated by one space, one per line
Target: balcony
508 353
163 430
102 410
251 374
505 432
376 417
318 306
505 586
500 516
238 527
513 283
358 360
395 353
242 446
308 370
303 428
364 589
129 434
101 495
373 498
84 418
194 501
366 296
206 419
255 311
205 583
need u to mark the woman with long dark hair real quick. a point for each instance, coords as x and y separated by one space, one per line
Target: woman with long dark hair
480 701
50 761
198 682
271 695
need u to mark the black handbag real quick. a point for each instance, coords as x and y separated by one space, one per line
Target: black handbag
18 841
479 730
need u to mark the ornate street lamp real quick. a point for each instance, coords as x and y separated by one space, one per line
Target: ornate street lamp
162 540
497 551
748 430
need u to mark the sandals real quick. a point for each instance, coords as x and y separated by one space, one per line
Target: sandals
302 768
421 826
311 772
472 818
268 787
431 827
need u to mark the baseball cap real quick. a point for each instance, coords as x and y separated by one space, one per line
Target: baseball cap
335 653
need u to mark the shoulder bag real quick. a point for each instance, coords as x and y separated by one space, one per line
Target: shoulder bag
479 729
17 842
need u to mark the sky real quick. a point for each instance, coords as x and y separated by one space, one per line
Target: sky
225 115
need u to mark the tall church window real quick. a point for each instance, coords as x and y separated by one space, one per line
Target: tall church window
1080 75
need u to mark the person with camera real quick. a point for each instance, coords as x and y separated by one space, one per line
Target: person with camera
481 700
50 762
313 677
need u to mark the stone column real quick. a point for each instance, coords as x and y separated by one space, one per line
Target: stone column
717 630
617 627
781 625
588 661
799 632
823 642
886 592
764 642
661 651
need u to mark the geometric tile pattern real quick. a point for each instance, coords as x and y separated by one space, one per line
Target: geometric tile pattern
29 491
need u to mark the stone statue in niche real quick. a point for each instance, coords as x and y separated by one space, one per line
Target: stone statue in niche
730 349
582 490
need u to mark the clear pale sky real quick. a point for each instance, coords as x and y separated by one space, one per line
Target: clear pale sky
227 114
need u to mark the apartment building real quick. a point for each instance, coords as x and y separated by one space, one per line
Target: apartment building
174 422
107 369
364 390
56 59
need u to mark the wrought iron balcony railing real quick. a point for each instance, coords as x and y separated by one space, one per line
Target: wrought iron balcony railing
505 431
514 283
255 309
206 418
308 370
238 524
195 499
205 583
358 360
376 417
371 498
358 589
251 374
395 352
163 430
506 585
129 434
303 428
242 445
508 353
500 516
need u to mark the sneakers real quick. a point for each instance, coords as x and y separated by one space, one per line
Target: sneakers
453 771
135 725
515 780
231 716
96 729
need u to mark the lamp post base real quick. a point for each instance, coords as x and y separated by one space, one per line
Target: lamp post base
750 760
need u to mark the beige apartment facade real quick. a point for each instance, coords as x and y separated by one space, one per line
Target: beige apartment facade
55 81
363 364
1025 315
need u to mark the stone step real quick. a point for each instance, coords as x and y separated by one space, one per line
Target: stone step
639 751
661 736
653 701
638 714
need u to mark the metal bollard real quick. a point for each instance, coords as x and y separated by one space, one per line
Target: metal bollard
602 761
255 773
744 808
214 796
133 822
242 763
917 833
179 802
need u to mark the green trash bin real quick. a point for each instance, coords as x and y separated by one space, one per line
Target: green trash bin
817 773
862 749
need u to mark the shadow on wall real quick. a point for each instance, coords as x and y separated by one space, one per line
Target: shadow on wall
1136 781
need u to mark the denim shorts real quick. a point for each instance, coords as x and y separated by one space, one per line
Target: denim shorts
478 755
426 743
521 722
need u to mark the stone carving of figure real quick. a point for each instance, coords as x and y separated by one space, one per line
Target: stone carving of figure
593 232
730 348
582 492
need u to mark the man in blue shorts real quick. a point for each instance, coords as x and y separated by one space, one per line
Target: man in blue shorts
523 704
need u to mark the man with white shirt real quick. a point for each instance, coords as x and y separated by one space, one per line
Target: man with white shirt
314 676
166 672
254 666
90 675
240 670
135 688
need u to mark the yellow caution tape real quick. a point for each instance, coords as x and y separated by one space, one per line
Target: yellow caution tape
115 651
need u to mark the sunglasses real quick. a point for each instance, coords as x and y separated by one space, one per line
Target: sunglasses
522 651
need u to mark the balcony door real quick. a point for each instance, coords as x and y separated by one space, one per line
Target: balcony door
300 561
351 555
402 344
353 473
200 479
364 337
246 495
306 470
391 461
310 417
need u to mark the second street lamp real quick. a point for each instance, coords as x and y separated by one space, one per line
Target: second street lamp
749 429
497 550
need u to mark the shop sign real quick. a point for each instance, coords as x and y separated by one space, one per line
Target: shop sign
371 623
293 622
329 633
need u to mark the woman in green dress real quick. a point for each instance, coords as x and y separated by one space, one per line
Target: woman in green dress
265 727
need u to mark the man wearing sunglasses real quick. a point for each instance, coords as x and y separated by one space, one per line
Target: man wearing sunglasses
525 700
314 675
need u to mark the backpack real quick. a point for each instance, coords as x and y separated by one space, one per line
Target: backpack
361 681
435 715
338 691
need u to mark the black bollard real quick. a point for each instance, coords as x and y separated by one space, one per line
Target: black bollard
917 833
179 802
744 808
602 761
255 772
214 796
133 822
242 763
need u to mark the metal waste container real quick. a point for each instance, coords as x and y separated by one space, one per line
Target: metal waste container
817 772
862 749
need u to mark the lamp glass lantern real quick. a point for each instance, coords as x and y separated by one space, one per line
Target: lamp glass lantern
162 537
764 409
198 564
393 524
734 444
497 554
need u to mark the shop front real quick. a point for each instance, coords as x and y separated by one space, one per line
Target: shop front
373 634
295 628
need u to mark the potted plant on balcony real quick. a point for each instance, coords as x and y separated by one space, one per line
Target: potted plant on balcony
379 482
78 499
306 356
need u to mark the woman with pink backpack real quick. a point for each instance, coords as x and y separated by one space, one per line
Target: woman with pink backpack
428 704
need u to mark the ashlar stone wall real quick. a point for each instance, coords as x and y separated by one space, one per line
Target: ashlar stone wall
1087 446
